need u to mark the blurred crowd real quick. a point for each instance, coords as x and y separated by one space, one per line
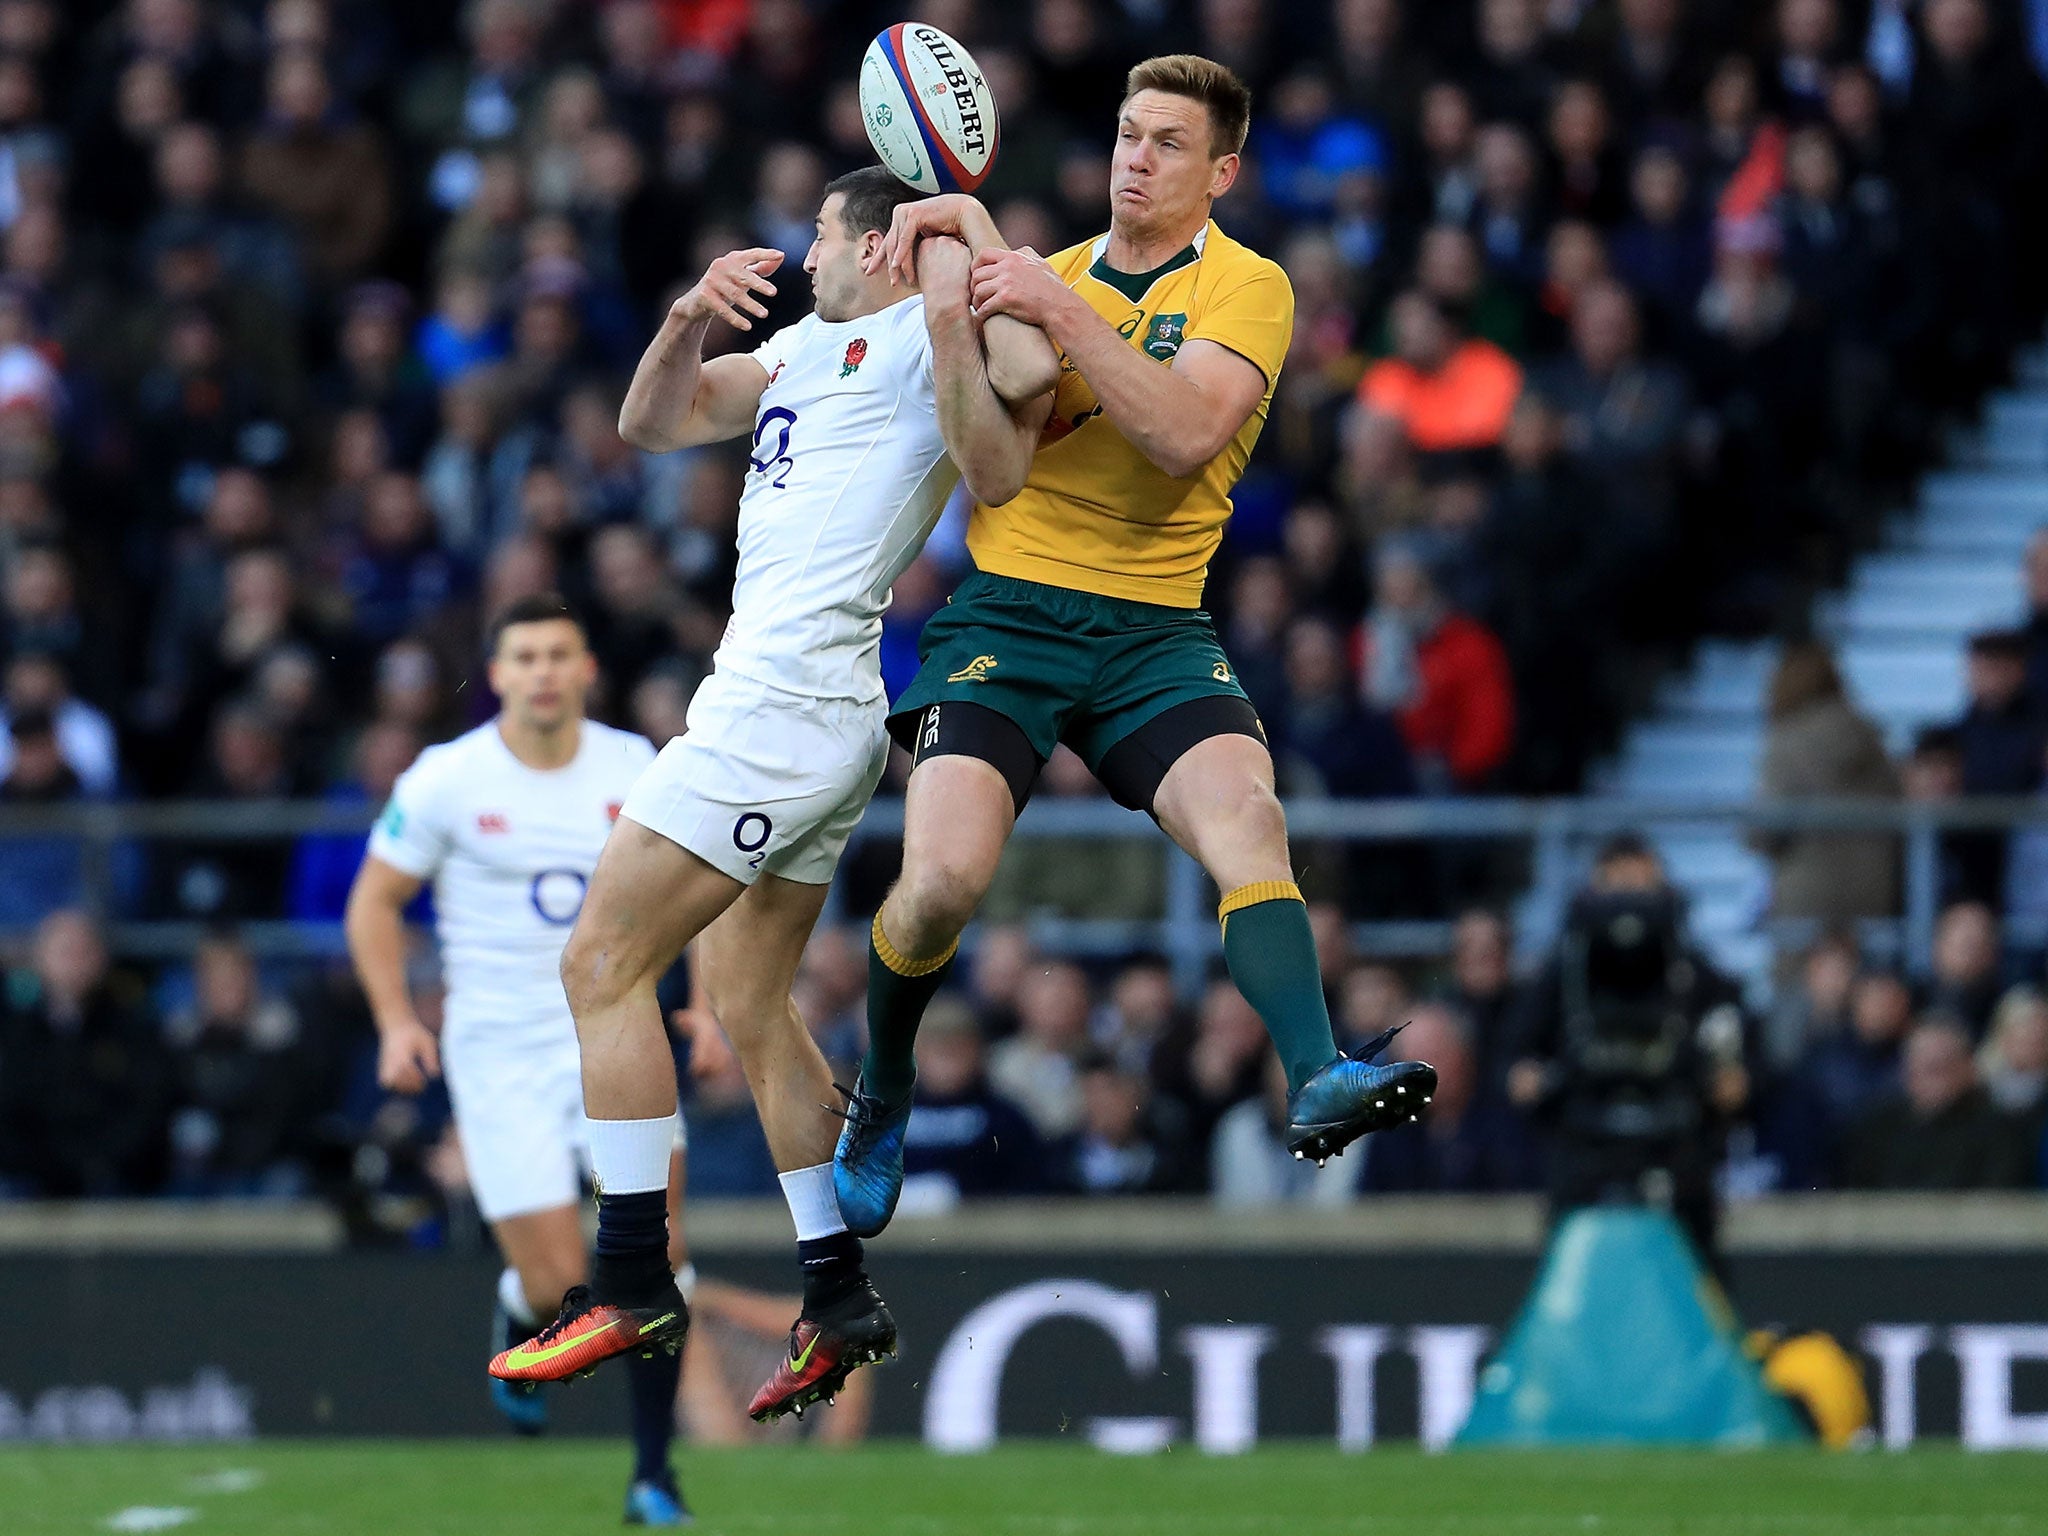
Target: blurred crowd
1038 1075
1819 744
1618 322
223 1078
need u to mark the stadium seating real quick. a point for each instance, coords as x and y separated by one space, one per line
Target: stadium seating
1949 567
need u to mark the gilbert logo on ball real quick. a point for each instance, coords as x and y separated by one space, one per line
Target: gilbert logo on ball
929 113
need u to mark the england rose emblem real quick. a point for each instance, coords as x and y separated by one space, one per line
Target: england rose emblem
856 350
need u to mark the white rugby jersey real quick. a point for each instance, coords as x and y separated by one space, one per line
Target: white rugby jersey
509 850
848 474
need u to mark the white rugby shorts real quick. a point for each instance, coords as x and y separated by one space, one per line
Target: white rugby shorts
519 1111
764 781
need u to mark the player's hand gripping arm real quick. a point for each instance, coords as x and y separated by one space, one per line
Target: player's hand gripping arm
677 399
407 1053
990 440
1022 364
1180 416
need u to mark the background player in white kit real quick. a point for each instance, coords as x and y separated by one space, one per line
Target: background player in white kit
507 822
859 415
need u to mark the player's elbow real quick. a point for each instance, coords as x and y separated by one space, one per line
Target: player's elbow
639 430
634 428
1184 453
993 482
993 460
1019 383
1177 460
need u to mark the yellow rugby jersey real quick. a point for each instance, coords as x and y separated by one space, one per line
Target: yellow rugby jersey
1096 515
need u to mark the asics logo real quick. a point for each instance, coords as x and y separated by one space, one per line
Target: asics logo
976 671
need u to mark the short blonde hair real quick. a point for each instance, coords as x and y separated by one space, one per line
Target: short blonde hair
1227 98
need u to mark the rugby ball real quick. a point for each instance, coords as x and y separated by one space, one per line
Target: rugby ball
929 113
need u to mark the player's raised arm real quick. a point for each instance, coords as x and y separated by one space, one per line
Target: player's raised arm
954 213
1181 416
990 440
1022 363
407 1053
677 399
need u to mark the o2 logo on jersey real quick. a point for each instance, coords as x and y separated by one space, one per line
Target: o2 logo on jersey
750 834
557 895
773 463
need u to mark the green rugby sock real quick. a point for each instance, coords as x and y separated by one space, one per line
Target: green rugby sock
1272 958
899 989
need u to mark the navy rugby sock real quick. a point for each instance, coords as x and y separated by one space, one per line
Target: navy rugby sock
832 1268
651 1389
630 1265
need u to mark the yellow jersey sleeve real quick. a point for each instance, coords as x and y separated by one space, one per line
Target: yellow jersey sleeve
1252 313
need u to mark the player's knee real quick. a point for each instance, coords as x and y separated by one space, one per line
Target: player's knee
578 969
1259 817
1245 822
593 974
932 904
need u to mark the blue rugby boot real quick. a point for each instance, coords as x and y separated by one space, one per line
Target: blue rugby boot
867 1165
520 1404
1351 1098
652 1503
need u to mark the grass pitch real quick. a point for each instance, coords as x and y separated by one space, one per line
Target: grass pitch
455 1488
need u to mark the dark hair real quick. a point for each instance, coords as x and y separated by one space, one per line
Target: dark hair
1227 99
1937 738
872 196
1623 845
541 608
1094 1059
2000 645
1449 312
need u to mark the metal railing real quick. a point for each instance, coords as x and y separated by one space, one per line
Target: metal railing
1974 1222
1560 834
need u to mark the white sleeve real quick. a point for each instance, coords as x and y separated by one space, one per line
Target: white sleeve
413 834
774 352
921 345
